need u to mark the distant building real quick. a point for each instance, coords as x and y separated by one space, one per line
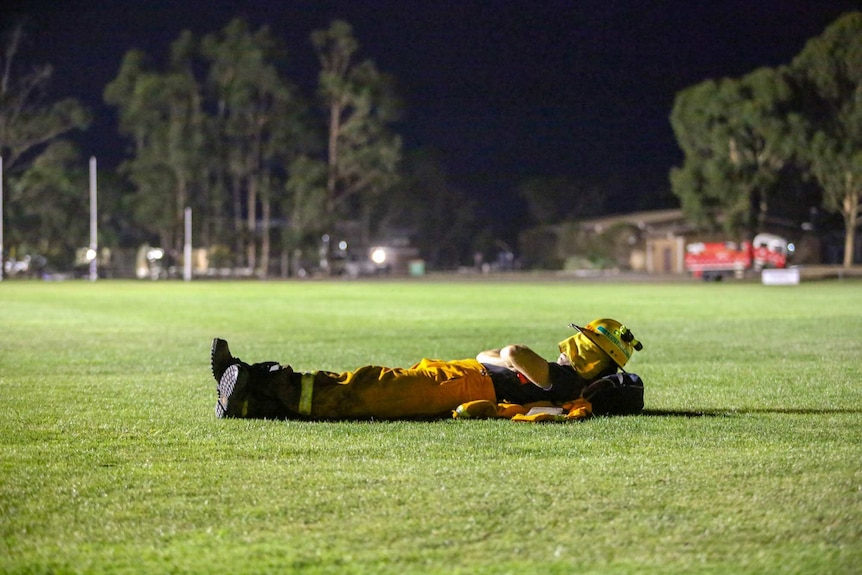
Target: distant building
659 247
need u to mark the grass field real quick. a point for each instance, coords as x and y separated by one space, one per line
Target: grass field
747 461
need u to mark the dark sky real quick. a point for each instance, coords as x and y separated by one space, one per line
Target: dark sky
504 90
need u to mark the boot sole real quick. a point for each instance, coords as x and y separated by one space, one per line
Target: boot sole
230 385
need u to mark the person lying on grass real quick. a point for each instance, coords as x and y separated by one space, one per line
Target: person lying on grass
514 375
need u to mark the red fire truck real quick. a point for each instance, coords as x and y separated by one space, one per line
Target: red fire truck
714 260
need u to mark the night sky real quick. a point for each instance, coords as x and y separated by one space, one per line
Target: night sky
503 90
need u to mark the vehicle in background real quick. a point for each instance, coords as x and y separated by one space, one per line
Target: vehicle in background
715 260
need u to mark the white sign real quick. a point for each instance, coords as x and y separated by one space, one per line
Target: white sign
785 277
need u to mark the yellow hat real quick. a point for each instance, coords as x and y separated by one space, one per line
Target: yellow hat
612 337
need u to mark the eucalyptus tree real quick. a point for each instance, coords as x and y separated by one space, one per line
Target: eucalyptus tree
260 132
829 71
162 114
362 152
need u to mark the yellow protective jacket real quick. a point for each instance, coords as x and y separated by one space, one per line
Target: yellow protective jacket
530 413
431 388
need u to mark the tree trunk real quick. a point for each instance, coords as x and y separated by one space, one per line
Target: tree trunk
851 222
251 246
265 214
182 200
237 219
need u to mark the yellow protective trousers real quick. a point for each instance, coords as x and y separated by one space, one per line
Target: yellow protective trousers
431 388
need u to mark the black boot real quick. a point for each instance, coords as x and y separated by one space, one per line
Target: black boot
221 359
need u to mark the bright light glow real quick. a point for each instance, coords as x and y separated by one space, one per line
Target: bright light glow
378 256
791 248
342 245
155 254
91 254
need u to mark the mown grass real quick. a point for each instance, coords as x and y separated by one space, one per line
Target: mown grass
748 460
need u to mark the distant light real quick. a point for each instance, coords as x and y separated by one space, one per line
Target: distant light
155 254
378 256
91 254
791 247
342 245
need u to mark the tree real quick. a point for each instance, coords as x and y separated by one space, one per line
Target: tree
197 141
362 153
38 165
305 202
702 183
829 74
28 122
734 135
259 117
50 204
758 136
162 114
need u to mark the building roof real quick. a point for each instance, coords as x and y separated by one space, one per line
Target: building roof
652 221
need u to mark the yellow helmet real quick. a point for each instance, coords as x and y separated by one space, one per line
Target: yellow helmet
612 337
589 360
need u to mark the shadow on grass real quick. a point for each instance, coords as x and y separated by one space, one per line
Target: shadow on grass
732 412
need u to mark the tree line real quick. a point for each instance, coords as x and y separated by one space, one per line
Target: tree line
268 170
752 141
220 128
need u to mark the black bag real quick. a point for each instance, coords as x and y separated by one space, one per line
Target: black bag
617 394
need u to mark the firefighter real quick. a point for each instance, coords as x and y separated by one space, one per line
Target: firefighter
430 389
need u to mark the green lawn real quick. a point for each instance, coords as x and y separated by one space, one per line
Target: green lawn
748 460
